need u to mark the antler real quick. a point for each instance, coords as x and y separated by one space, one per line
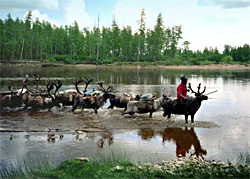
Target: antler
197 93
87 82
165 94
37 79
49 86
189 86
14 93
100 83
75 82
110 88
203 90
58 86
25 81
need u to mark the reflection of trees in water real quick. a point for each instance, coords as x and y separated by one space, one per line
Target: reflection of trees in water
183 138
141 76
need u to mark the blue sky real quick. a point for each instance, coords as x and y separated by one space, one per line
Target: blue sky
204 22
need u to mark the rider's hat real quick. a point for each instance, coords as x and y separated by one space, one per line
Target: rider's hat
183 78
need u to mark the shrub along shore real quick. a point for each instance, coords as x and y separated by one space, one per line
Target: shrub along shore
122 167
125 65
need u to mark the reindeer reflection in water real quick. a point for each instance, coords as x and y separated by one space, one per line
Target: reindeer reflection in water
102 137
183 138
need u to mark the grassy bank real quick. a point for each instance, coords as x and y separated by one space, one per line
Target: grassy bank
129 65
122 167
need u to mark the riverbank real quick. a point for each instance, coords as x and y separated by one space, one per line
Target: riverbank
122 167
128 65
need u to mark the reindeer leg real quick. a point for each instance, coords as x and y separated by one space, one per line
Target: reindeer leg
76 103
74 107
150 114
169 115
95 110
25 107
111 106
131 113
186 118
192 118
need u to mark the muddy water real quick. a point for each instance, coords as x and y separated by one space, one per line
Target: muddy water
221 129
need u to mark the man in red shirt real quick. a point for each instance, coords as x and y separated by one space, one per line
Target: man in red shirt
182 89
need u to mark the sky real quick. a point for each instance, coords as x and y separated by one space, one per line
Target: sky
205 23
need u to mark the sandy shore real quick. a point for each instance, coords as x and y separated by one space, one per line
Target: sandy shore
206 67
212 67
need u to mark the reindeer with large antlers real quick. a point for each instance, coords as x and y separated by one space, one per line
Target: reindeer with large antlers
38 100
14 99
92 101
87 81
190 107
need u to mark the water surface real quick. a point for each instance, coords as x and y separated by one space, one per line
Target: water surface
221 129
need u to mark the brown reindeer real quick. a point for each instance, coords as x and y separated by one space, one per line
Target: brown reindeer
149 106
189 107
14 99
67 97
44 101
92 101
121 101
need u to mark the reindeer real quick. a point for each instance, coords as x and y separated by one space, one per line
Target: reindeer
122 101
14 99
189 107
149 106
44 101
92 101
67 97
80 97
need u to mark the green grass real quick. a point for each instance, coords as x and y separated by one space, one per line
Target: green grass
116 166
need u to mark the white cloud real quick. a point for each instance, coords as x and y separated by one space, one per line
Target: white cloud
41 17
227 4
201 25
14 5
75 10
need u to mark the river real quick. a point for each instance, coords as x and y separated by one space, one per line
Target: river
220 131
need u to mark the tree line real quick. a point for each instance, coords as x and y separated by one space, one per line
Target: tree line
28 40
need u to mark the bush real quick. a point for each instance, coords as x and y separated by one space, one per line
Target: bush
61 58
69 61
227 59
175 61
106 61
206 62
52 60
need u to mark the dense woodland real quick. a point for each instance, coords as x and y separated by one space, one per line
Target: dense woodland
27 40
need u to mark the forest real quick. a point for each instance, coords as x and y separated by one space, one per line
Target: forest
42 41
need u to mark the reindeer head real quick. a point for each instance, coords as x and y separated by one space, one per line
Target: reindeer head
107 92
165 95
198 93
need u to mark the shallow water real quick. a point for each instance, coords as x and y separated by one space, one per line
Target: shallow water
220 131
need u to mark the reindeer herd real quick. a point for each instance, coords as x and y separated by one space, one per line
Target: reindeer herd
49 96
